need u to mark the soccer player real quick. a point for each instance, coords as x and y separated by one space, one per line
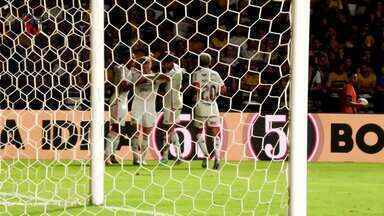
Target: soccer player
173 103
146 85
208 85
118 112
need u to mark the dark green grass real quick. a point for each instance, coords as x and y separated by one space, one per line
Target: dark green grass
240 188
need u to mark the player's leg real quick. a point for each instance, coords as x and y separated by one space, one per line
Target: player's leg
167 124
176 144
113 139
136 143
213 133
166 144
113 136
170 118
198 124
171 137
174 136
145 144
119 130
148 123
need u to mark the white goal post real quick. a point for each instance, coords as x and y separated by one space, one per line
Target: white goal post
300 12
97 100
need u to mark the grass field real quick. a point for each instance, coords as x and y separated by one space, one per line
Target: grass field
246 188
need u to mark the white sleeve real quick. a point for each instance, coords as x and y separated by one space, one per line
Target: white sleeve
194 77
128 75
132 75
218 79
178 80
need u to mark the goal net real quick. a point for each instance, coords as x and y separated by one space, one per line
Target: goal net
161 157
45 106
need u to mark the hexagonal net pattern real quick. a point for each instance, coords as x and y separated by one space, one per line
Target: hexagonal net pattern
196 106
44 102
248 45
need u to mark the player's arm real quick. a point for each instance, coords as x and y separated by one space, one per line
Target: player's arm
162 78
223 88
131 64
121 78
350 102
196 87
125 86
130 77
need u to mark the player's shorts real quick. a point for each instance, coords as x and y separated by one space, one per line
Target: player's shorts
209 121
206 115
171 116
118 113
144 114
144 119
119 120
116 128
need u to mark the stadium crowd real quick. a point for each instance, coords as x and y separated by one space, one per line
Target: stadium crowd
346 37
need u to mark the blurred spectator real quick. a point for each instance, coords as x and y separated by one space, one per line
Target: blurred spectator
349 35
219 41
366 80
337 79
249 49
335 4
316 88
379 103
335 83
250 81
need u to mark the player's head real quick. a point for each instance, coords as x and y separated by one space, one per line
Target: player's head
205 60
168 63
366 70
147 65
352 78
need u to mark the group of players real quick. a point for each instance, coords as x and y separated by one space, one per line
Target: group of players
137 76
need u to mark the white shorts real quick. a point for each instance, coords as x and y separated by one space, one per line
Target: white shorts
118 118
121 122
206 115
145 119
144 113
171 117
209 121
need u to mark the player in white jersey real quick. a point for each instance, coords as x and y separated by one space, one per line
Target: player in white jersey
208 85
118 112
173 103
146 85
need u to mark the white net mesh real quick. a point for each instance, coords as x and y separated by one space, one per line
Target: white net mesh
45 102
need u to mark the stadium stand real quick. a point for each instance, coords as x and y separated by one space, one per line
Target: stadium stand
349 37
